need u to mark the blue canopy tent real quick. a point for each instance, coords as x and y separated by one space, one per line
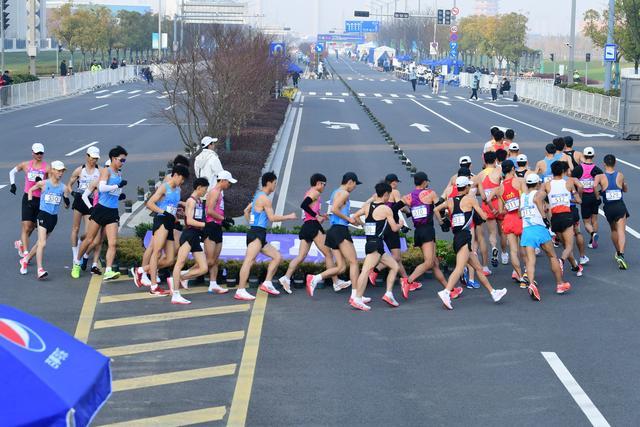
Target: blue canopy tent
404 58
452 64
371 55
294 68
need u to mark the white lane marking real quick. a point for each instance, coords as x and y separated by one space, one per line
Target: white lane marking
150 91
312 93
284 188
2 186
630 230
426 96
328 94
441 116
134 91
388 101
460 97
133 96
345 94
393 81
47 123
511 118
182 92
99 107
411 96
162 96
629 164
360 80
362 94
118 91
136 123
443 97
349 78
340 100
586 405
102 91
586 135
169 107
377 95
393 95
103 96
71 153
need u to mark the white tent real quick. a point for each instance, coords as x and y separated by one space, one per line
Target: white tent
364 48
379 51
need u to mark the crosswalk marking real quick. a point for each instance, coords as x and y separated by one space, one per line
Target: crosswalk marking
393 95
150 91
411 96
102 91
460 97
377 95
328 93
125 350
174 315
362 94
207 415
134 91
312 93
345 94
173 377
118 91
426 96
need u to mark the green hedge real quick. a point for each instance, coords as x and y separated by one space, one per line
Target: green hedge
23 78
591 89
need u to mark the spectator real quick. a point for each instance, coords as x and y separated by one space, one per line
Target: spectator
475 85
7 81
207 164
123 63
63 68
558 80
413 78
505 86
114 64
148 75
295 76
493 84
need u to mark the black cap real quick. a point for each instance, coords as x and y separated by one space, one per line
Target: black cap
392 177
350 176
420 177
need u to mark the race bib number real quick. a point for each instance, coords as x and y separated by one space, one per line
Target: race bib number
559 200
52 199
116 192
370 229
587 184
82 185
528 212
512 205
171 209
32 175
198 213
419 212
252 219
487 193
458 220
613 195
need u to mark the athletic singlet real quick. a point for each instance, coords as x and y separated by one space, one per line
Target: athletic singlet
522 173
559 196
460 220
258 219
488 186
374 229
335 219
529 211
109 199
31 174
547 174
315 207
218 208
169 203
570 153
198 212
513 160
422 214
51 197
87 178
587 179
510 196
612 193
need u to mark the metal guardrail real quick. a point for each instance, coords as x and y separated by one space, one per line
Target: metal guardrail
44 89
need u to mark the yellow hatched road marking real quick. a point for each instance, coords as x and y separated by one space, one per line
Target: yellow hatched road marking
173 377
88 309
178 419
126 350
173 315
145 295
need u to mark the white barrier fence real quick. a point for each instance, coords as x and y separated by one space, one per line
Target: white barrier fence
49 88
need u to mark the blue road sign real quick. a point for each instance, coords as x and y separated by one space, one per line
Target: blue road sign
361 26
353 38
319 47
610 52
453 46
276 48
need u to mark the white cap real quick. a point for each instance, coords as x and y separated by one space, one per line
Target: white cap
464 160
58 165
532 178
37 148
93 152
462 181
226 175
492 73
207 140
589 151
514 146
107 163
521 158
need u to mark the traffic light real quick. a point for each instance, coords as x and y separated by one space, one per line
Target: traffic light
447 17
551 57
588 57
400 15
361 13
5 15
440 16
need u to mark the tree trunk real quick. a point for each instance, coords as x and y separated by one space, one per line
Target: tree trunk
635 66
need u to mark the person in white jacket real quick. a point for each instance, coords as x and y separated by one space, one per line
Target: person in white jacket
493 84
207 164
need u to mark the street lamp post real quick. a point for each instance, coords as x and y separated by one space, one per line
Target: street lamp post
572 42
607 68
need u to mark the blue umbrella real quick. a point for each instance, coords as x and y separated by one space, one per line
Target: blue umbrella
48 377
294 68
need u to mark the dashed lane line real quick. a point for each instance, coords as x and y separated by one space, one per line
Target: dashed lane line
442 117
174 315
511 118
118 91
71 153
186 418
134 91
133 96
99 107
47 123
126 350
150 92
101 91
173 377
136 123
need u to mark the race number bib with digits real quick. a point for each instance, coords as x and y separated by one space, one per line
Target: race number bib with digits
32 175
171 209
370 229
613 195
458 220
512 204
116 192
52 199
587 184
419 212
528 212
198 213
559 200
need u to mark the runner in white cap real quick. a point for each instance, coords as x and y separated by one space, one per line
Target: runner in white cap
522 166
513 152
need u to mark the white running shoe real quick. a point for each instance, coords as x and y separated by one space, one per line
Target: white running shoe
23 265
217 289
504 257
341 284
486 271
144 280
286 284
42 273
243 295
497 294
176 298
584 260
445 296
268 287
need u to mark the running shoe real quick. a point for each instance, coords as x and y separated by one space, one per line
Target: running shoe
445 297
243 295
537 251
42 274
267 287
286 284
584 260
514 276
109 275
556 242
562 288
389 299
83 264
533 291
595 238
75 271
217 289
525 278
497 294
414 286
472 284
176 298
19 247
404 284
456 292
504 258
23 265
96 270
311 286
133 272
486 271
464 279
359 305
622 263
373 275
494 257
578 270
341 284
158 291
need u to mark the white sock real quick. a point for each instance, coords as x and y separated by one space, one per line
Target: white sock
353 293
85 256
107 270
95 264
213 283
389 294
74 250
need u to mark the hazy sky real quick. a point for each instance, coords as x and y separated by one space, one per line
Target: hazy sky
545 16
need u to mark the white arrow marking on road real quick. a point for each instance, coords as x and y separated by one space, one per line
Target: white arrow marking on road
500 105
99 107
421 127
340 125
444 103
81 148
332 99
586 135
136 123
388 101
103 96
47 123
393 95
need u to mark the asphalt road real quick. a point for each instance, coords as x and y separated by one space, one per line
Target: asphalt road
292 360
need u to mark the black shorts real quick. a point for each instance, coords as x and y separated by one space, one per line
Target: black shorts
193 237
589 205
213 232
104 216
30 209
79 205
310 230
168 221
460 239
48 221
424 234
575 215
615 210
336 235
561 221
392 239
477 219
257 233
374 244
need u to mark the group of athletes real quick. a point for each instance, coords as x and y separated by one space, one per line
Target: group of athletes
525 210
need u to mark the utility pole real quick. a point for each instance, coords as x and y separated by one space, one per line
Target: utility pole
572 46
159 29
607 68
